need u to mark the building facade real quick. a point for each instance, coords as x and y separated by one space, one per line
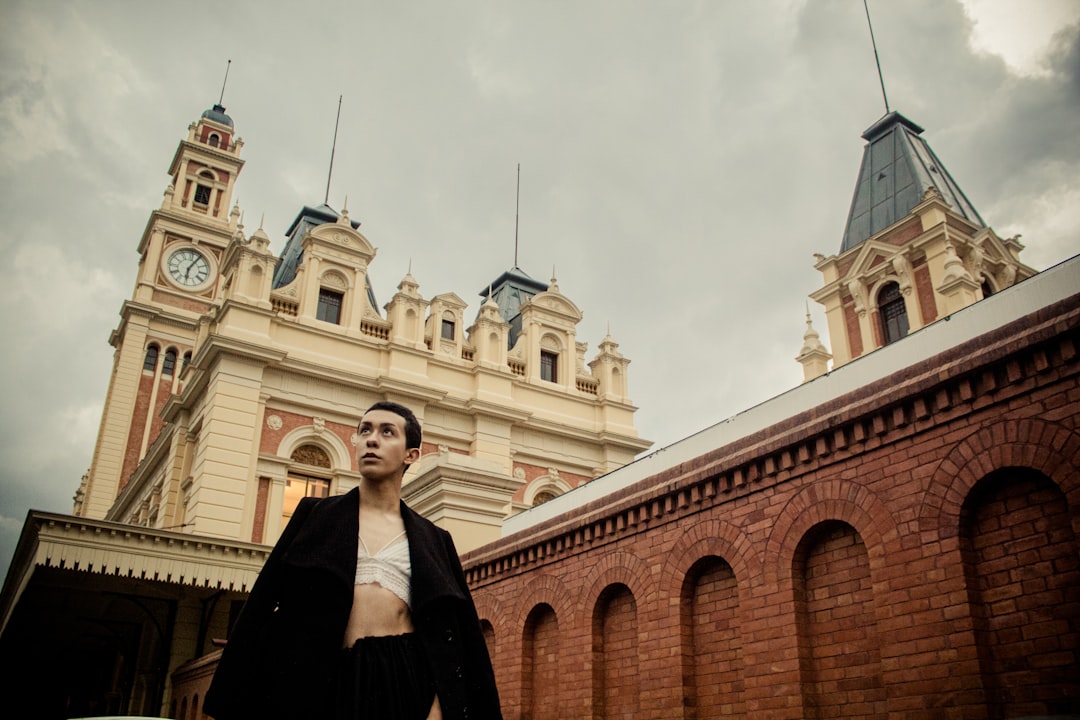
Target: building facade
898 539
238 379
914 251
239 375
895 538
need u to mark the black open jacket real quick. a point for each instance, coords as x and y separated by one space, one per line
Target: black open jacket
280 660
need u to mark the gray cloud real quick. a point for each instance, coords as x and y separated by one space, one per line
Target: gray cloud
680 164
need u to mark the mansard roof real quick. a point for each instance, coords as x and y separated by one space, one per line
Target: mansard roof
293 254
898 166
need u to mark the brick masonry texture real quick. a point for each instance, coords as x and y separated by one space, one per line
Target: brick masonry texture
908 550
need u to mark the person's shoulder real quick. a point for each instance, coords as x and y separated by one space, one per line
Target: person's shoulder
418 521
331 502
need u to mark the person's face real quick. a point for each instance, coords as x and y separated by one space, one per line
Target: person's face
380 446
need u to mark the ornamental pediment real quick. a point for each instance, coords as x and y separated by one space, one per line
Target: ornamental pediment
555 302
342 236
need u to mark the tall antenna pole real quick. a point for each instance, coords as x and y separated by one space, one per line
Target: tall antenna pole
517 213
220 99
881 78
333 148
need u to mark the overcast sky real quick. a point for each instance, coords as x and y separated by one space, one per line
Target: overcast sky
680 163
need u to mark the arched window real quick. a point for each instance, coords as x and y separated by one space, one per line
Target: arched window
893 313
543 496
214 140
169 366
150 362
987 289
300 484
186 361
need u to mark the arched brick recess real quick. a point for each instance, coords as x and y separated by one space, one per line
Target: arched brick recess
625 568
711 537
1047 447
543 589
834 499
489 608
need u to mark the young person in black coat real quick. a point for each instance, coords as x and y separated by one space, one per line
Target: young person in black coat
362 610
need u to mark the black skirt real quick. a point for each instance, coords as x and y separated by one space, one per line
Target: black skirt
384 678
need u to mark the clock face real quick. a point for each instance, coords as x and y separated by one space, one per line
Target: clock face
189 267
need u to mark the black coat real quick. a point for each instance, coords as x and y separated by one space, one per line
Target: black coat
280 660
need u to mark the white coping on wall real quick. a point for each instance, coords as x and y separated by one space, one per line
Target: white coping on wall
1050 286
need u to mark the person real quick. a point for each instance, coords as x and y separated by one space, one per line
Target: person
362 609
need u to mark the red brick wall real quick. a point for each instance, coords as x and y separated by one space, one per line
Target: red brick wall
616 677
924 287
540 671
1023 575
140 415
838 638
851 323
712 658
845 562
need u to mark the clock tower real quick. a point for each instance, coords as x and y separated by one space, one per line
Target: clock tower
180 257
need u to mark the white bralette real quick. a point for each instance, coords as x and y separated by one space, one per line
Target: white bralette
389 567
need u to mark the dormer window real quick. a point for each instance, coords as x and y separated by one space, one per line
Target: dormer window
329 309
549 366
202 194
447 329
893 314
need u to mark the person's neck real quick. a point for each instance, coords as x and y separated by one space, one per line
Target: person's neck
382 496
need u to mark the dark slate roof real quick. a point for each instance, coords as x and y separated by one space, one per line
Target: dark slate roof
898 166
293 254
510 291
217 114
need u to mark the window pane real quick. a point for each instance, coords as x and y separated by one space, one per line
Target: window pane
202 194
169 365
448 329
329 306
894 321
548 366
150 363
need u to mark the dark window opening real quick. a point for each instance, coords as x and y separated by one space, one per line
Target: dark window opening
987 291
214 140
447 329
329 309
169 366
549 366
150 362
202 194
893 312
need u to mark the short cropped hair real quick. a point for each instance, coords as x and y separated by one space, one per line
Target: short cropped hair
413 433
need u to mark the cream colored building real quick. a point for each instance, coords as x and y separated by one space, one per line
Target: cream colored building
240 375
914 251
238 380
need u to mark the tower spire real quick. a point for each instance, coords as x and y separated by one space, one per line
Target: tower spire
877 60
517 213
221 98
333 148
